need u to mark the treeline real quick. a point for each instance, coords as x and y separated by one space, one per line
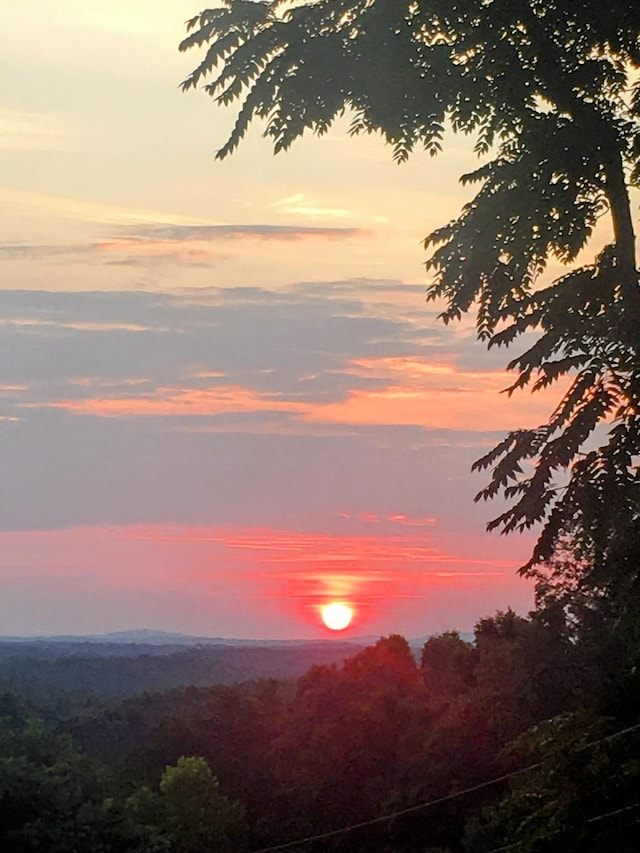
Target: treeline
118 669
543 705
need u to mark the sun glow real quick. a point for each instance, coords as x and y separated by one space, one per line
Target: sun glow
337 616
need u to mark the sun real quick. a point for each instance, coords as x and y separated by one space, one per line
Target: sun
337 616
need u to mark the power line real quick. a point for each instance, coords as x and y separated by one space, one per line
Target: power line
557 832
448 797
383 818
612 814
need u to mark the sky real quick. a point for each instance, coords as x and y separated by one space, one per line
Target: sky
224 400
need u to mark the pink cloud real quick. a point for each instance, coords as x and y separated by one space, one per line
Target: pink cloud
274 578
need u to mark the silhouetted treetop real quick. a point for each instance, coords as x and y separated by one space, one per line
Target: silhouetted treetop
550 92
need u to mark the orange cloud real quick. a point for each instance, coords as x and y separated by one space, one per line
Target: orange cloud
478 409
12 389
419 393
175 401
435 395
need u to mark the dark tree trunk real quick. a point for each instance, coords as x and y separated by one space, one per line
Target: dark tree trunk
625 241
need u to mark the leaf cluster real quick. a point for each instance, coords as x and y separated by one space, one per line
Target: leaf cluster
549 90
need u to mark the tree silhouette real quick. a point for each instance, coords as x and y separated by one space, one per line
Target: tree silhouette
549 89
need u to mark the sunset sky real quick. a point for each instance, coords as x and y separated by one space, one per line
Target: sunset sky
224 400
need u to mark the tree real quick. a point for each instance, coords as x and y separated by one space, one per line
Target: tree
448 664
580 793
197 813
349 735
50 794
550 91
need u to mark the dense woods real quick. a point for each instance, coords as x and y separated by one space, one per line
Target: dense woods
527 736
119 669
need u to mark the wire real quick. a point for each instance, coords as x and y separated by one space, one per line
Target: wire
429 803
590 820
383 818
611 814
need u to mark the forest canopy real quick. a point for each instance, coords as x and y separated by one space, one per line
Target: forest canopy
549 91
520 737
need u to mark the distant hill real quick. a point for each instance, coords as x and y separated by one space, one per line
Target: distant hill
125 663
123 668
149 637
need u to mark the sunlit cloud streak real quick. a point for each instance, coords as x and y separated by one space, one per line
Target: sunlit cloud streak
202 233
221 352
22 130
307 567
205 578
299 205
163 241
395 405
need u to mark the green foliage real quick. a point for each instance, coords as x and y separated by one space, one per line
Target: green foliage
448 664
55 799
49 792
581 793
270 762
525 672
229 727
199 816
549 89
348 733
109 669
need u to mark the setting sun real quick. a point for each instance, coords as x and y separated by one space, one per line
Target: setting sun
337 616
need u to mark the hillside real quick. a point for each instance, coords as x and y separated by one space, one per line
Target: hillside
121 668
